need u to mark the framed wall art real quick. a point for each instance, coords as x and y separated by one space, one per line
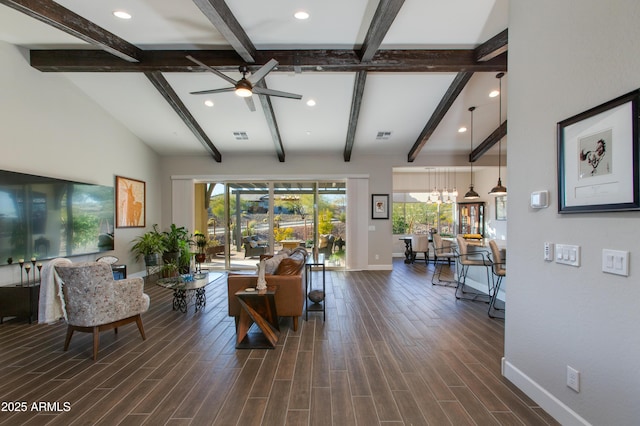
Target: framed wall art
130 203
501 207
598 158
380 206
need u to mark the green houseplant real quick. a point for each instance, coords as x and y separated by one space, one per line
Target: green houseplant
201 244
177 247
148 246
173 239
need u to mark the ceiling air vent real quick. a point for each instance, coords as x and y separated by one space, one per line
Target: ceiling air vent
383 136
240 136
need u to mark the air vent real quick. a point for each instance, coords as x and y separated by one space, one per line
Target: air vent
240 136
383 136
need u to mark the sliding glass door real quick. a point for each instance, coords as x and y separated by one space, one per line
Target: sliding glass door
254 218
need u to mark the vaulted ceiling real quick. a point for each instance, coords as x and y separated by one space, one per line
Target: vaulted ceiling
385 76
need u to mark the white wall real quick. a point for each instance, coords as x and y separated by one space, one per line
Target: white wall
50 128
566 56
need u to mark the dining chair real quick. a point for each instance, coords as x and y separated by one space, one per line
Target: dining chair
442 251
499 270
420 244
466 259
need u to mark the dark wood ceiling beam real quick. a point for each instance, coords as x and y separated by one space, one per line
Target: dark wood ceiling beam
51 13
495 46
382 19
223 20
459 82
265 101
445 60
162 85
490 141
354 114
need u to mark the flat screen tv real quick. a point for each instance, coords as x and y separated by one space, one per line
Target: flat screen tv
45 218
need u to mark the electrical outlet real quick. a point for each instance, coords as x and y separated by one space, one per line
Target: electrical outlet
573 378
548 251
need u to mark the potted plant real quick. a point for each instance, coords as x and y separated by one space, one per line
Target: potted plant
173 239
149 246
201 244
169 270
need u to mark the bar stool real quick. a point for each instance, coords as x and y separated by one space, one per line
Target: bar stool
499 272
466 260
442 251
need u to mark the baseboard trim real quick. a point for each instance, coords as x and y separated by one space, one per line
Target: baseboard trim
380 267
552 405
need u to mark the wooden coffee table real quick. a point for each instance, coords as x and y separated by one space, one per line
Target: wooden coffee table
259 308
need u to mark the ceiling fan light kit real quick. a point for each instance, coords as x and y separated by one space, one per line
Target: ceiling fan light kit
246 86
499 189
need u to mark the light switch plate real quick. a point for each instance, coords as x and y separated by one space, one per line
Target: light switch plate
568 254
615 262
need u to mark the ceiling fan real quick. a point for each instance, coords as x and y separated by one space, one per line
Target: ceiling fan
246 86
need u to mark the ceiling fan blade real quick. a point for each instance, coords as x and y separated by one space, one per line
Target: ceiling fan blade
250 104
271 92
213 70
262 72
206 92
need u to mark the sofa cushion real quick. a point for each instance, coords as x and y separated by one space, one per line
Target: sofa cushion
293 264
271 264
289 266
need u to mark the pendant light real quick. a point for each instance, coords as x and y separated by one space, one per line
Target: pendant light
471 194
499 189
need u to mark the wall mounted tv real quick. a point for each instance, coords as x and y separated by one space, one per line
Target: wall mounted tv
45 218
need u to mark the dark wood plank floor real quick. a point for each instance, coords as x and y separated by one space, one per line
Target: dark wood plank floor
394 350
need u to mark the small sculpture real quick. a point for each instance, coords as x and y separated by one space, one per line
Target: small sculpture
262 282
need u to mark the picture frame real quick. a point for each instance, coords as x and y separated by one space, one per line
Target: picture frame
501 207
379 206
130 203
598 158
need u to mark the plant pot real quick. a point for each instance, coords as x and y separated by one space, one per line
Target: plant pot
152 259
171 257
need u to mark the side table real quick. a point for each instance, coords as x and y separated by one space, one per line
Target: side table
320 305
20 301
258 307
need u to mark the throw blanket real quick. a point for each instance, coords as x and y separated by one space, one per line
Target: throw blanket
51 304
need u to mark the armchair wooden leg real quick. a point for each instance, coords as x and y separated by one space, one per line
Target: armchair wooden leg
67 340
295 323
140 326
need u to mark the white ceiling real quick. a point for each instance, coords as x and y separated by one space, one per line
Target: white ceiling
401 103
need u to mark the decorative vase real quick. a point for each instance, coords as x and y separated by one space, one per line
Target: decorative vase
262 282
201 257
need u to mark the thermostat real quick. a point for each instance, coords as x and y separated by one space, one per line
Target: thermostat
540 199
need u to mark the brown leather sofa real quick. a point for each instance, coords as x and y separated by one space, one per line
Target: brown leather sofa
288 277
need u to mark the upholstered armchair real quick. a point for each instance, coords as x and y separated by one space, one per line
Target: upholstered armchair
325 245
94 301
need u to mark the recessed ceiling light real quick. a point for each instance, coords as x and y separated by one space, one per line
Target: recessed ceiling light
301 15
494 93
121 14
311 102
208 103
462 129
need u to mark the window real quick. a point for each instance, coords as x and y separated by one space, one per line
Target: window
413 213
